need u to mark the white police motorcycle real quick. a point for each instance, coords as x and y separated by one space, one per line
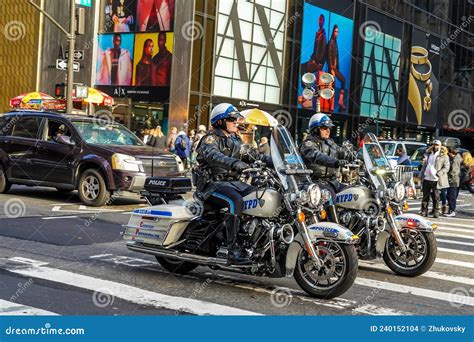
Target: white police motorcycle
183 234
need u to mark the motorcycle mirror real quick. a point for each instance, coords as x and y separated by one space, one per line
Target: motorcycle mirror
326 93
308 79
326 78
308 94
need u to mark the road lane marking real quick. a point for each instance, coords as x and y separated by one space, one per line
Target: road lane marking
126 292
469 237
58 217
427 274
246 284
416 291
451 262
14 309
449 224
455 251
455 242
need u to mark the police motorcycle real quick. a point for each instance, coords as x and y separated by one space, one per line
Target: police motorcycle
372 208
183 234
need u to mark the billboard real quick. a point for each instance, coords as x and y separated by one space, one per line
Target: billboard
326 47
423 84
381 67
249 47
135 52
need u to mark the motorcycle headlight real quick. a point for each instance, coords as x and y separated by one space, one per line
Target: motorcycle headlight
125 162
314 195
399 192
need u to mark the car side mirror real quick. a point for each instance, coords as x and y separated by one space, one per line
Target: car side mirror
64 139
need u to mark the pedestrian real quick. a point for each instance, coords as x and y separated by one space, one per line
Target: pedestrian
454 176
403 158
157 138
264 147
192 135
434 174
202 131
183 148
171 139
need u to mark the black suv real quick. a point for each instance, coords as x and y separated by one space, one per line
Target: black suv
97 157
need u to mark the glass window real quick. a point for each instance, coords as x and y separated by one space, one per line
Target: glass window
55 129
27 128
106 134
411 148
388 148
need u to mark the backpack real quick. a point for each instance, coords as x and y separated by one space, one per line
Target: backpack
182 143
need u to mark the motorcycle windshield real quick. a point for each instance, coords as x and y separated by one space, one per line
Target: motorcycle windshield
376 162
285 155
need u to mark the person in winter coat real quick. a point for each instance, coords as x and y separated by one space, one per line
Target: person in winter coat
183 147
434 174
454 180
171 139
157 138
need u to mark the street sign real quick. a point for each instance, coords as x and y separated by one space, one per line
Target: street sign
78 55
61 64
82 91
85 3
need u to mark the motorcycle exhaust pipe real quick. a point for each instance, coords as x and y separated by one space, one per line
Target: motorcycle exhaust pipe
285 234
198 259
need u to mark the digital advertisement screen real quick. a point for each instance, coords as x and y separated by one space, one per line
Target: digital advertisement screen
326 48
423 86
381 68
135 52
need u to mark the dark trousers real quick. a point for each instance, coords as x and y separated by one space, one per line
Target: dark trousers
430 190
453 193
227 196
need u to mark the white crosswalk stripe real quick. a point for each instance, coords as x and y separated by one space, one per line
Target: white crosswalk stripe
14 309
125 292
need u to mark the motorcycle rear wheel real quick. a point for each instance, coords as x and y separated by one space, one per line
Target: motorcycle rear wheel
340 259
397 261
176 266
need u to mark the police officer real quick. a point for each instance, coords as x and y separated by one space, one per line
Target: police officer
321 154
220 165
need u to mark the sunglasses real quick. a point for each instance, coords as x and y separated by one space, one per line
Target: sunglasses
325 128
231 120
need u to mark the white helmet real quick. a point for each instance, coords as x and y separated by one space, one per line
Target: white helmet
224 111
202 128
320 120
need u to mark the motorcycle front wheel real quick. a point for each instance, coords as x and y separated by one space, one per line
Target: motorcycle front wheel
340 263
419 256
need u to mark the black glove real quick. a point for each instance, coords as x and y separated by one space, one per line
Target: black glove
239 166
341 163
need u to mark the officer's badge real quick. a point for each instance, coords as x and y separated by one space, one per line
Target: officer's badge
309 143
210 139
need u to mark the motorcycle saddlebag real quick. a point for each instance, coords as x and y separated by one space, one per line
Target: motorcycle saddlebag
167 185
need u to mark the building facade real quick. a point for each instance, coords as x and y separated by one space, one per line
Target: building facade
401 68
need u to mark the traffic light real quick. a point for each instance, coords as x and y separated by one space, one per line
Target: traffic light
60 90
80 20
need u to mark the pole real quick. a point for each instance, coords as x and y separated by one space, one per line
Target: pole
70 60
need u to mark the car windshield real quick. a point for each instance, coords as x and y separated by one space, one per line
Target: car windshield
418 155
388 148
95 132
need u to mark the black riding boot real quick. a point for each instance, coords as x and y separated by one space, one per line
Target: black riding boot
236 255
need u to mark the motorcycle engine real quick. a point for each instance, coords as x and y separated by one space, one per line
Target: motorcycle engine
345 218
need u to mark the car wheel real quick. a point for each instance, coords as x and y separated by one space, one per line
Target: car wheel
92 188
5 185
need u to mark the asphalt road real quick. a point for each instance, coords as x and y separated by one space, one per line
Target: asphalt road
59 257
